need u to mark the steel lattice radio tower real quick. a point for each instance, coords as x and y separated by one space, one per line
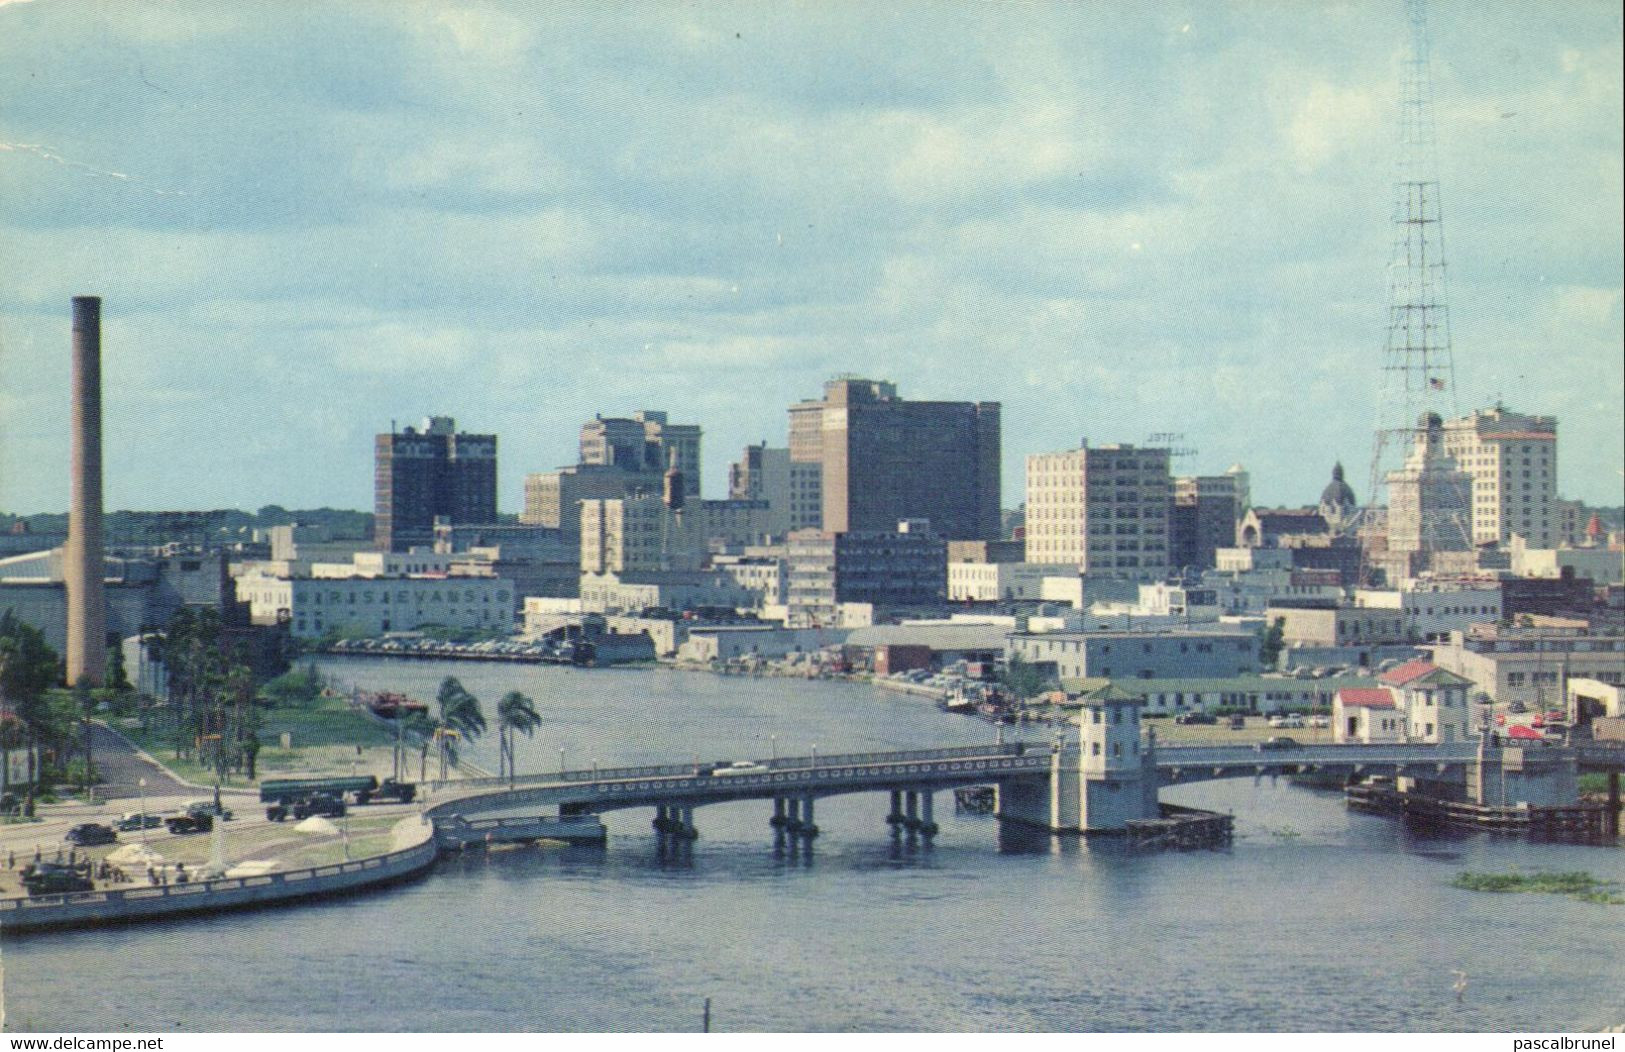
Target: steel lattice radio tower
1419 498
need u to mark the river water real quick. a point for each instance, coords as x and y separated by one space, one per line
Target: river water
1316 919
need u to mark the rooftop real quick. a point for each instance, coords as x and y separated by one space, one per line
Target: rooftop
1367 697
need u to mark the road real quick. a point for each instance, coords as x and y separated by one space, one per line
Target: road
122 768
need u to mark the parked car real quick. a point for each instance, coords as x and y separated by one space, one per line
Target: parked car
91 833
51 878
1196 717
1276 743
137 820
1238 723
1320 722
1295 722
1517 707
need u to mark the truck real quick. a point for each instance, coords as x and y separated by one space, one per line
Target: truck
359 789
181 825
324 804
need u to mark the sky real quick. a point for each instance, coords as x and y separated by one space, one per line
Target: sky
308 220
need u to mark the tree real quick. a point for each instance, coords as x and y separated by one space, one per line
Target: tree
117 677
84 703
459 712
515 714
28 668
1271 642
1021 678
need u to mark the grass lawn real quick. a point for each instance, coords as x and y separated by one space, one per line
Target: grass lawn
325 735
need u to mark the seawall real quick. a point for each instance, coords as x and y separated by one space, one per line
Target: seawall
415 852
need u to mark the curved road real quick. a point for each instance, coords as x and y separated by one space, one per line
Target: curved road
122 767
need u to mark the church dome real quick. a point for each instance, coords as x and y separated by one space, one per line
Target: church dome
1337 494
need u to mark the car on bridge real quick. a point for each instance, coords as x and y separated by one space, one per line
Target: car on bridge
1275 744
740 767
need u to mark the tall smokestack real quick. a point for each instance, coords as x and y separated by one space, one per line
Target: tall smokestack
83 563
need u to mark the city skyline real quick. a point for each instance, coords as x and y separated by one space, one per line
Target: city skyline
1177 222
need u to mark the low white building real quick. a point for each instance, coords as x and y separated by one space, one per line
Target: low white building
1528 663
708 643
609 593
1602 565
370 606
1367 715
985 582
1434 701
1432 610
765 577
1594 698
385 564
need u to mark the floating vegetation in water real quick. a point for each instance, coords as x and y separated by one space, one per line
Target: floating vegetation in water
1577 885
1285 833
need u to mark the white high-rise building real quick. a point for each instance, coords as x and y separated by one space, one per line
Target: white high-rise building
1429 497
1102 509
1512 458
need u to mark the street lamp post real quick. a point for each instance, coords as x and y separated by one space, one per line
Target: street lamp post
773 744
815 755
561 761
347 820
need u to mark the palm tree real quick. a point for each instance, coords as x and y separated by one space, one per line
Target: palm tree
515 713
459 712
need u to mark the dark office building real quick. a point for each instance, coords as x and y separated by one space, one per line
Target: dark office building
886 459
436 471
1199 524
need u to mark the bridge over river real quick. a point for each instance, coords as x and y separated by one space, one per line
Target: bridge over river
1053 786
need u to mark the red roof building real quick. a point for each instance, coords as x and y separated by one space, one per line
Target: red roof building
1366 697
1410 670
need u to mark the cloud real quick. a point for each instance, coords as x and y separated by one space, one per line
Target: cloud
525 214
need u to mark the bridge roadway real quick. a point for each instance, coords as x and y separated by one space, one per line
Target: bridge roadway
687 785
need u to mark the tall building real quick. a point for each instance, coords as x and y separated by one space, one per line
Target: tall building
649 533
790 487
631 535
884 459
1428 505
435 471
1512 458
553 498
1103 509
645 442
1201 520
905 567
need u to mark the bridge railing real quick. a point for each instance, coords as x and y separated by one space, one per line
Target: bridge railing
782 763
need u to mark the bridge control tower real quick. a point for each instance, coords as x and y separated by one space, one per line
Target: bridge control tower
1108 780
